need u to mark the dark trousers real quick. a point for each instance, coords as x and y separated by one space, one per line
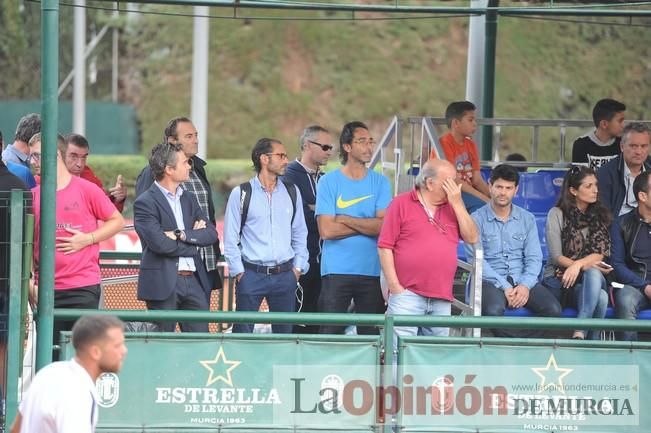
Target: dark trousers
541 302
278 289
187 295
338 290
311 284
82 297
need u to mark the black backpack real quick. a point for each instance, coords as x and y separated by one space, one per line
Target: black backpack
245 200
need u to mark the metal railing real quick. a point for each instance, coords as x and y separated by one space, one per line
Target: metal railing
422 134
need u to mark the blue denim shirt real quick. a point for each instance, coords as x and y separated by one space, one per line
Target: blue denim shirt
511 247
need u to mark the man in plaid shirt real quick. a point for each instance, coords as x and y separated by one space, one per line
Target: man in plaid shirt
181 130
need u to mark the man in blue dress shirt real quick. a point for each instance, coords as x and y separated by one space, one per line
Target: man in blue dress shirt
268 253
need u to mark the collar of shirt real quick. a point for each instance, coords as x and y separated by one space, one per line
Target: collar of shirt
258 184
24 158
627 171
308 169
595 139
491 216
168 194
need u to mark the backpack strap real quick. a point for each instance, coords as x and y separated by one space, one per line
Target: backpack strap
291 190
245 201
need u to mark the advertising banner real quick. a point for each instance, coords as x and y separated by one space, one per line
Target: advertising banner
203 383
502 388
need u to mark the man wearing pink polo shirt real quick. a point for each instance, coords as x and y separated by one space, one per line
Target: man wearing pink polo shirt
419 226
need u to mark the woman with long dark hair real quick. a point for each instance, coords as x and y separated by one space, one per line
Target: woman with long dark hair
578 241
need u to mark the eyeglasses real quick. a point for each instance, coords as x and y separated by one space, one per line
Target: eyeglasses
36 156
364 140
324 147
281 155
575 169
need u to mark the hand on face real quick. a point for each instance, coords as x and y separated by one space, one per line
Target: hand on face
452 191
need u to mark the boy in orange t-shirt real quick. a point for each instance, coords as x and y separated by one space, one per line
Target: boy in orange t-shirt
461 151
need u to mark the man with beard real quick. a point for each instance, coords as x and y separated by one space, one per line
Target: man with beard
62 397
265 236
512 255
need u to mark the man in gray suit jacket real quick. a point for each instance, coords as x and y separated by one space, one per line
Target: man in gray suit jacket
172 228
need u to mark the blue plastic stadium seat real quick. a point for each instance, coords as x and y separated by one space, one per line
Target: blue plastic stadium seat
485 173
644 315
538 191
567 312
518 312
541 221
461 251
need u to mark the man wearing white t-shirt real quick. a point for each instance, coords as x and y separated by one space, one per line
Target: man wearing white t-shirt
62 397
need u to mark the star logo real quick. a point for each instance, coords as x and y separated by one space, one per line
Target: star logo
220 368
556 375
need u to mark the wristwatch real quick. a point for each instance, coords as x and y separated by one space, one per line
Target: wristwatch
179 234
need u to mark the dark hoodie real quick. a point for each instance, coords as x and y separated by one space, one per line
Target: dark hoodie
296 174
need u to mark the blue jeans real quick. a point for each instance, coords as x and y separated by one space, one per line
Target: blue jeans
410 303
278 289
628 302
541 302
590 296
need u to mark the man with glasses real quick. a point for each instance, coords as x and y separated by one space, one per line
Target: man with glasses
316 149
617 176
350 206
181 130
420 225
75 157
265 247
84 218
512 255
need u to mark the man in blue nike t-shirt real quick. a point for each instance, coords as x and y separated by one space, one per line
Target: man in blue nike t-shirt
350 207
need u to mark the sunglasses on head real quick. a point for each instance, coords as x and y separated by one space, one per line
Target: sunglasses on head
324 147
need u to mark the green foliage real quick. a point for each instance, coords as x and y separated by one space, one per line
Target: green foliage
272 78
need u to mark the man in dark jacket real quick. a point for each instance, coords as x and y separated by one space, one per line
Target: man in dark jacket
8 182
316 149
172 228
631 255
181 130
617 176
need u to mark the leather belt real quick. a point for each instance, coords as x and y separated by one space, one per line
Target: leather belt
185 273
270 270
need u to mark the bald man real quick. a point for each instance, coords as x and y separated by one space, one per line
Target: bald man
420 226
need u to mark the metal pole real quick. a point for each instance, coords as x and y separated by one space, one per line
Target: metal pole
50 115
114 63
14 344
79 80
475 68
200 76
489 80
